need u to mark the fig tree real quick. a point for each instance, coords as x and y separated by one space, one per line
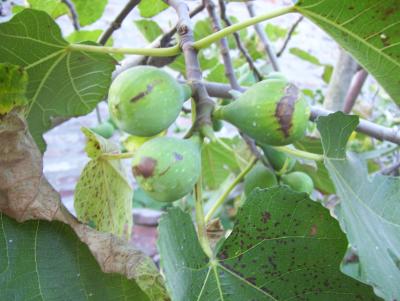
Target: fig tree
260 176
144 100
298 181
272 111
167 168
277 159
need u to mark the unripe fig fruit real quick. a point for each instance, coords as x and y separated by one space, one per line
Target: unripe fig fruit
272 111
144 100
260 176
276 75
277 158
167 168
105 129
217 125
298 181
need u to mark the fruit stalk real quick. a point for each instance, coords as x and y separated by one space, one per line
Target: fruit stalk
225 194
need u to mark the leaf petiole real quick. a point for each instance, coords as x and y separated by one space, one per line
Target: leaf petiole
225 194
299 153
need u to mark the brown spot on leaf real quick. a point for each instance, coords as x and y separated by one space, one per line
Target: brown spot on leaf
285 109
313 230
145 168
265 217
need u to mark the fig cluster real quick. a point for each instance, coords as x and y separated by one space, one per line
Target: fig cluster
144 101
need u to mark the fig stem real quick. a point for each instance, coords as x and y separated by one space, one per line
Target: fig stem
218 203
117 156
205 42
299 153
159 52
200 220
175 50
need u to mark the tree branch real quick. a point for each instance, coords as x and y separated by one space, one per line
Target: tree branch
340 82
289 36
116 24
229 71
355 90
238 41
203 102
367 127
263 38
73 12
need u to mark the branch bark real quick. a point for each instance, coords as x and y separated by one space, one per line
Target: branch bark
340 82
116 24
355 90
263 38
74 15
229 71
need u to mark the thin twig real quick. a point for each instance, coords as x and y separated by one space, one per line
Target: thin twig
116 24
162 41
355 90
367 127
263 38
229 71
238 41
73 12
391 169
289 36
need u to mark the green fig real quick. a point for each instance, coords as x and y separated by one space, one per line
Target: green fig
105 129
144 100
167 168
276 75
272 111
277 159
217 125
298 181
260 176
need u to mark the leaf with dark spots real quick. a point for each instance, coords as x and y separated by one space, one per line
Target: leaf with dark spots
368 30
291 264
145 168
285 109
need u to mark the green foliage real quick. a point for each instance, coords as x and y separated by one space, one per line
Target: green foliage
13 82
103 195
273 253
53 264
367 29
259 177
149 28
368 209
167 168
275 32
150 8
298 181
272 112
89 11
144 100
60 80
54 8
217 163
306 56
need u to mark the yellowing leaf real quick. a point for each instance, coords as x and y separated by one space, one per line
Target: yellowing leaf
103 195
13 81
